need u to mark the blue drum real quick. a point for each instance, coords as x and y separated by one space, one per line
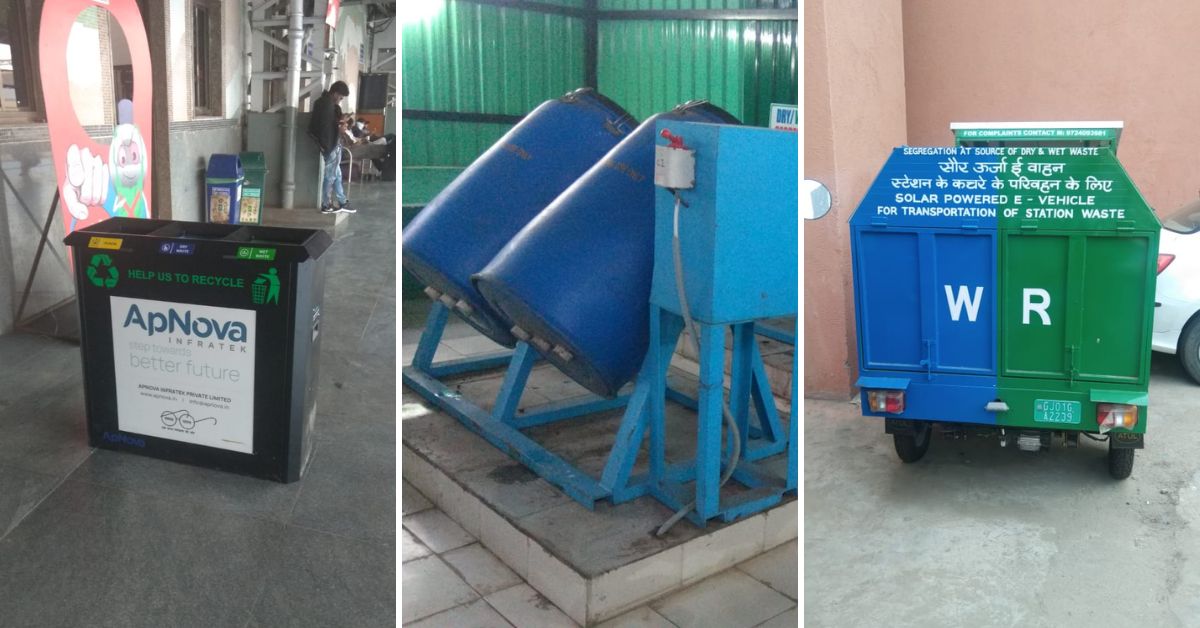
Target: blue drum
464 226
575 282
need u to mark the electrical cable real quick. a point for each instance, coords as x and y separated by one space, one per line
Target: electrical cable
734 433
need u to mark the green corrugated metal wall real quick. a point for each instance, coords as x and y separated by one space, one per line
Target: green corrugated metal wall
740 66
642 5
482 59
485 59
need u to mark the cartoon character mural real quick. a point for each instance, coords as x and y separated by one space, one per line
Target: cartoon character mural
127 165
92 189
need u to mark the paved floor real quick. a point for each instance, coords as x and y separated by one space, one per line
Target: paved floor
451 581
100 538
976 535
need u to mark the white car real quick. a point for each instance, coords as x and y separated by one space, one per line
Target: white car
1177 298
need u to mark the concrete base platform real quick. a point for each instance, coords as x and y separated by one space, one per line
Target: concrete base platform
593 564
307 218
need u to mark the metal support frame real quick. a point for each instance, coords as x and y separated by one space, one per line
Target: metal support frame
312 90
460 116
677 484
591 44
535 7
37 257
774 333
377 64
591 11
674 484
264 30
740 15
501 427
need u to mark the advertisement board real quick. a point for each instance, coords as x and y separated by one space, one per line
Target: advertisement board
97 181
185 372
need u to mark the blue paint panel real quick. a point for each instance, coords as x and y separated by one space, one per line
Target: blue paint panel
964 270
925 275
951 398
578 275
937 187
887 282
469 221
739 230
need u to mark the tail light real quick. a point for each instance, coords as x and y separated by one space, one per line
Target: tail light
887 401
1164 260
1116 415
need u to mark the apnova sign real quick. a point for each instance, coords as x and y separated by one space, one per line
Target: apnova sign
185 323
185 372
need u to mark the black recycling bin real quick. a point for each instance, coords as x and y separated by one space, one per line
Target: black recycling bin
200 341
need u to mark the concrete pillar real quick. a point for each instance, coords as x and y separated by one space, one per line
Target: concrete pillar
854 114
295 48
154 16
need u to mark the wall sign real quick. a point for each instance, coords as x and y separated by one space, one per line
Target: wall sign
784 117
97 181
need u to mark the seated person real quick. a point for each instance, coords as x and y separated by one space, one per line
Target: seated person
361 130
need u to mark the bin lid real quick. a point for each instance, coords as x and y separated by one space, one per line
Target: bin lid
234 241
1071 187
253 161
224 166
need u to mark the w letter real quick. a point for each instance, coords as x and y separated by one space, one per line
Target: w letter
956 303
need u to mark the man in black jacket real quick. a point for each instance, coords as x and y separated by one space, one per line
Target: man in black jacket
323 127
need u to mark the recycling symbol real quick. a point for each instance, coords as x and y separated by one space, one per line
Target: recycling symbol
101 271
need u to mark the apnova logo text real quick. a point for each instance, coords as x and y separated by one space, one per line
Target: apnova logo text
172 322
123 439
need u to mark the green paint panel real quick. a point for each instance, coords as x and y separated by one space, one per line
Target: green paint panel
1076 188
1031 346
1114 308
1078 247
1022 397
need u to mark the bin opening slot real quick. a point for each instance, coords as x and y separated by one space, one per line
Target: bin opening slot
132 226
195 231
275 235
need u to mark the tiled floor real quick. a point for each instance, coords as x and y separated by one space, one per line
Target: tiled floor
452 581
102 538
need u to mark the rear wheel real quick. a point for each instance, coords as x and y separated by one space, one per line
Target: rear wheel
912 447
1189 349
1120 462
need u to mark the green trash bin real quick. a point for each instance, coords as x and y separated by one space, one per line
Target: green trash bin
200 341
254 165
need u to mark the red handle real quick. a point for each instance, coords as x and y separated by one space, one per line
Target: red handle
676 141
